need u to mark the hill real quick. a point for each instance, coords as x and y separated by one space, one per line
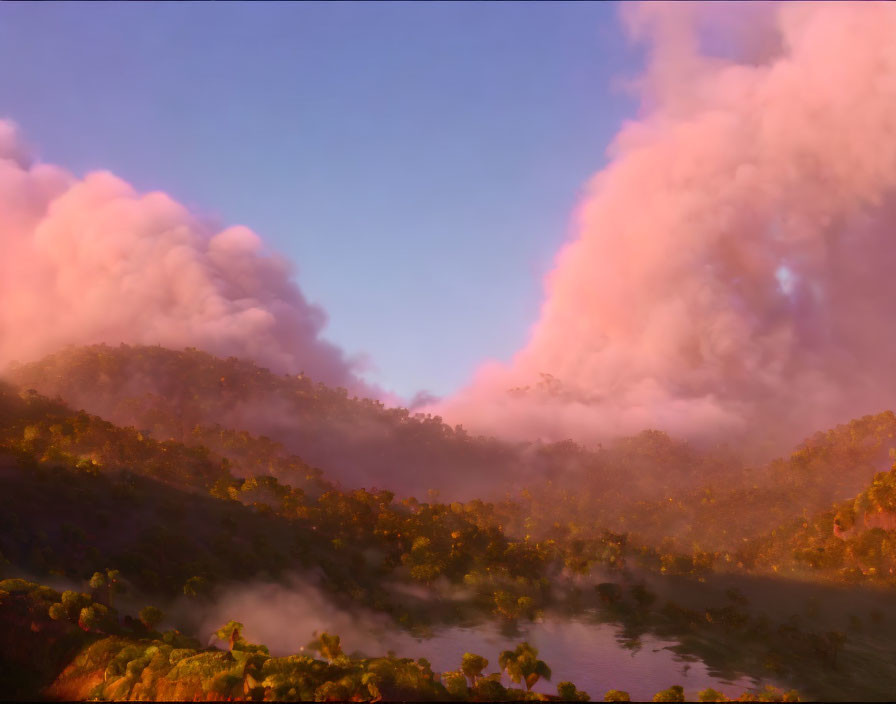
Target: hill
360 442
191 397
649 485
189 514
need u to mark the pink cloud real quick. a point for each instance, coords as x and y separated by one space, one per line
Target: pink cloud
667 308
91 260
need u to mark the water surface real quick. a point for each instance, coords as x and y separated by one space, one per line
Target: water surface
595 656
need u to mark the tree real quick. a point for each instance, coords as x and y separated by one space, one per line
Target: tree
675 693
472 666
327 645
196 587
58 612
455 683
567 692
522 664
105 584
617 695
489 689
773 694
151 617
93 617
231 633
70 606
711 695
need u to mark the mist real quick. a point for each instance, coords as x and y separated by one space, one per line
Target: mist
732 268
90 260
285 618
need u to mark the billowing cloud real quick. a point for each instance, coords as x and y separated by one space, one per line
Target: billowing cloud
733 267
90 260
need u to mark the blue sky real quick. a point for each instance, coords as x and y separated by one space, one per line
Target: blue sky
417 162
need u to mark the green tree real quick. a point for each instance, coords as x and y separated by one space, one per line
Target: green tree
675 693
472 666
151 617
567 692
70 606
617 695
57 612
522 664
490 689
773 694
711 695
230 633
94 617
329 646
105 584
455 683
196 587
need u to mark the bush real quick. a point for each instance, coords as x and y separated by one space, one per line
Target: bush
617 695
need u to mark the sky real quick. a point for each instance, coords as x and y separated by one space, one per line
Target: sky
418 163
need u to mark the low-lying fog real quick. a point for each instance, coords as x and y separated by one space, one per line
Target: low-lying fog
592 655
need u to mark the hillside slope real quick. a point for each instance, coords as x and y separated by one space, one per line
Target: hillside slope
651 485
360 442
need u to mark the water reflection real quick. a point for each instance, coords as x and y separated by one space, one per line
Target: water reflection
595 656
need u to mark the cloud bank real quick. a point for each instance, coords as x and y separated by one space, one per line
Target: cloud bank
734 267
90 260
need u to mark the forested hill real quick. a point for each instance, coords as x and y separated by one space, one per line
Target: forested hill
360 442
180 395
727 507
650 485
